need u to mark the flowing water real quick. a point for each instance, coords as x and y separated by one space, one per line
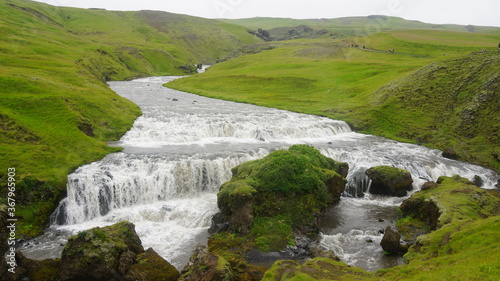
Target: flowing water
182 149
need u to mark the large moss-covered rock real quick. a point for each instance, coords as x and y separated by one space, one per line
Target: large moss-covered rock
112 253
391 242
151 267
390 181
35 270
287 187
205 266
450 199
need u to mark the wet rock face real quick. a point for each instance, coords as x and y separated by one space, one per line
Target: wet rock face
389 181
391 242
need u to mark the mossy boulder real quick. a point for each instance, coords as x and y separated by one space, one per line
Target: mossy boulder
390 181
286 188
151 267
450 199
109 253
316 269
391 242
205 266
35 270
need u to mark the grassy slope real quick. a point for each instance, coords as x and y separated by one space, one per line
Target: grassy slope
55 108
325 77
465 246
358 26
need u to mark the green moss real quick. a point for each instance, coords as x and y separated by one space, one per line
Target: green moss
279 194
417 95
56 112
152 267
272 233
456 199
461 250
316 269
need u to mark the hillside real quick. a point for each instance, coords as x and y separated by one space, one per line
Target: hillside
372 88
357 26
56 112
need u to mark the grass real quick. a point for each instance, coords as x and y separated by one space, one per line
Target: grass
358 26
56 111
374 90
465 246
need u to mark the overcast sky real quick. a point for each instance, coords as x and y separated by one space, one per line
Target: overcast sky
475 12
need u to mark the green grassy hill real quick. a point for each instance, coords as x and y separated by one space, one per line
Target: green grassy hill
56 112
358 26
416 94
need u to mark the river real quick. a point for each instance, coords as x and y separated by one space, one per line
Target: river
181 150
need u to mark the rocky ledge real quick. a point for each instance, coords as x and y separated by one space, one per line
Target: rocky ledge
100 254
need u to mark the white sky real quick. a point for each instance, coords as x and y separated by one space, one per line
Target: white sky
475 12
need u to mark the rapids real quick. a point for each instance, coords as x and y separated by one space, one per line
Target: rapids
182 149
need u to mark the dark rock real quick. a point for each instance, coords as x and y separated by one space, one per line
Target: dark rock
175 100
219 224
127 259
95 254
424 209
450 153
317 251
36 270
151 267
391 242
478 181
238 211
389 181
87 128
429 185
204 266
112 253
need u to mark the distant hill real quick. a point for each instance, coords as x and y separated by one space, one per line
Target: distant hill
438 88
56 112
353 26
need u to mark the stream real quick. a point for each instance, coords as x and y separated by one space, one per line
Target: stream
182 149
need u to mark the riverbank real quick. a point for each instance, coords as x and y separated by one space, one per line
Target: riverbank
441 101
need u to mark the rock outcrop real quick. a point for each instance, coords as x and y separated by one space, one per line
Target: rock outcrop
204 266
95 254
437 204
98 254
389 181
391 242
293 185
269 211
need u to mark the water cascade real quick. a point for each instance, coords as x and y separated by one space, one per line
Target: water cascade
183 148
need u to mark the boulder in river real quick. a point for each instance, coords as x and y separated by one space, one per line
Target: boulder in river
391 242
286 188
389 181
112 253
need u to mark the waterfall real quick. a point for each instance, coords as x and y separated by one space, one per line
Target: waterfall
182 149
121 180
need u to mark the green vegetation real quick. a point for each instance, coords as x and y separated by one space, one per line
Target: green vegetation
269 201
464 245
436 89
358 26
56 112
282 193
416 94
